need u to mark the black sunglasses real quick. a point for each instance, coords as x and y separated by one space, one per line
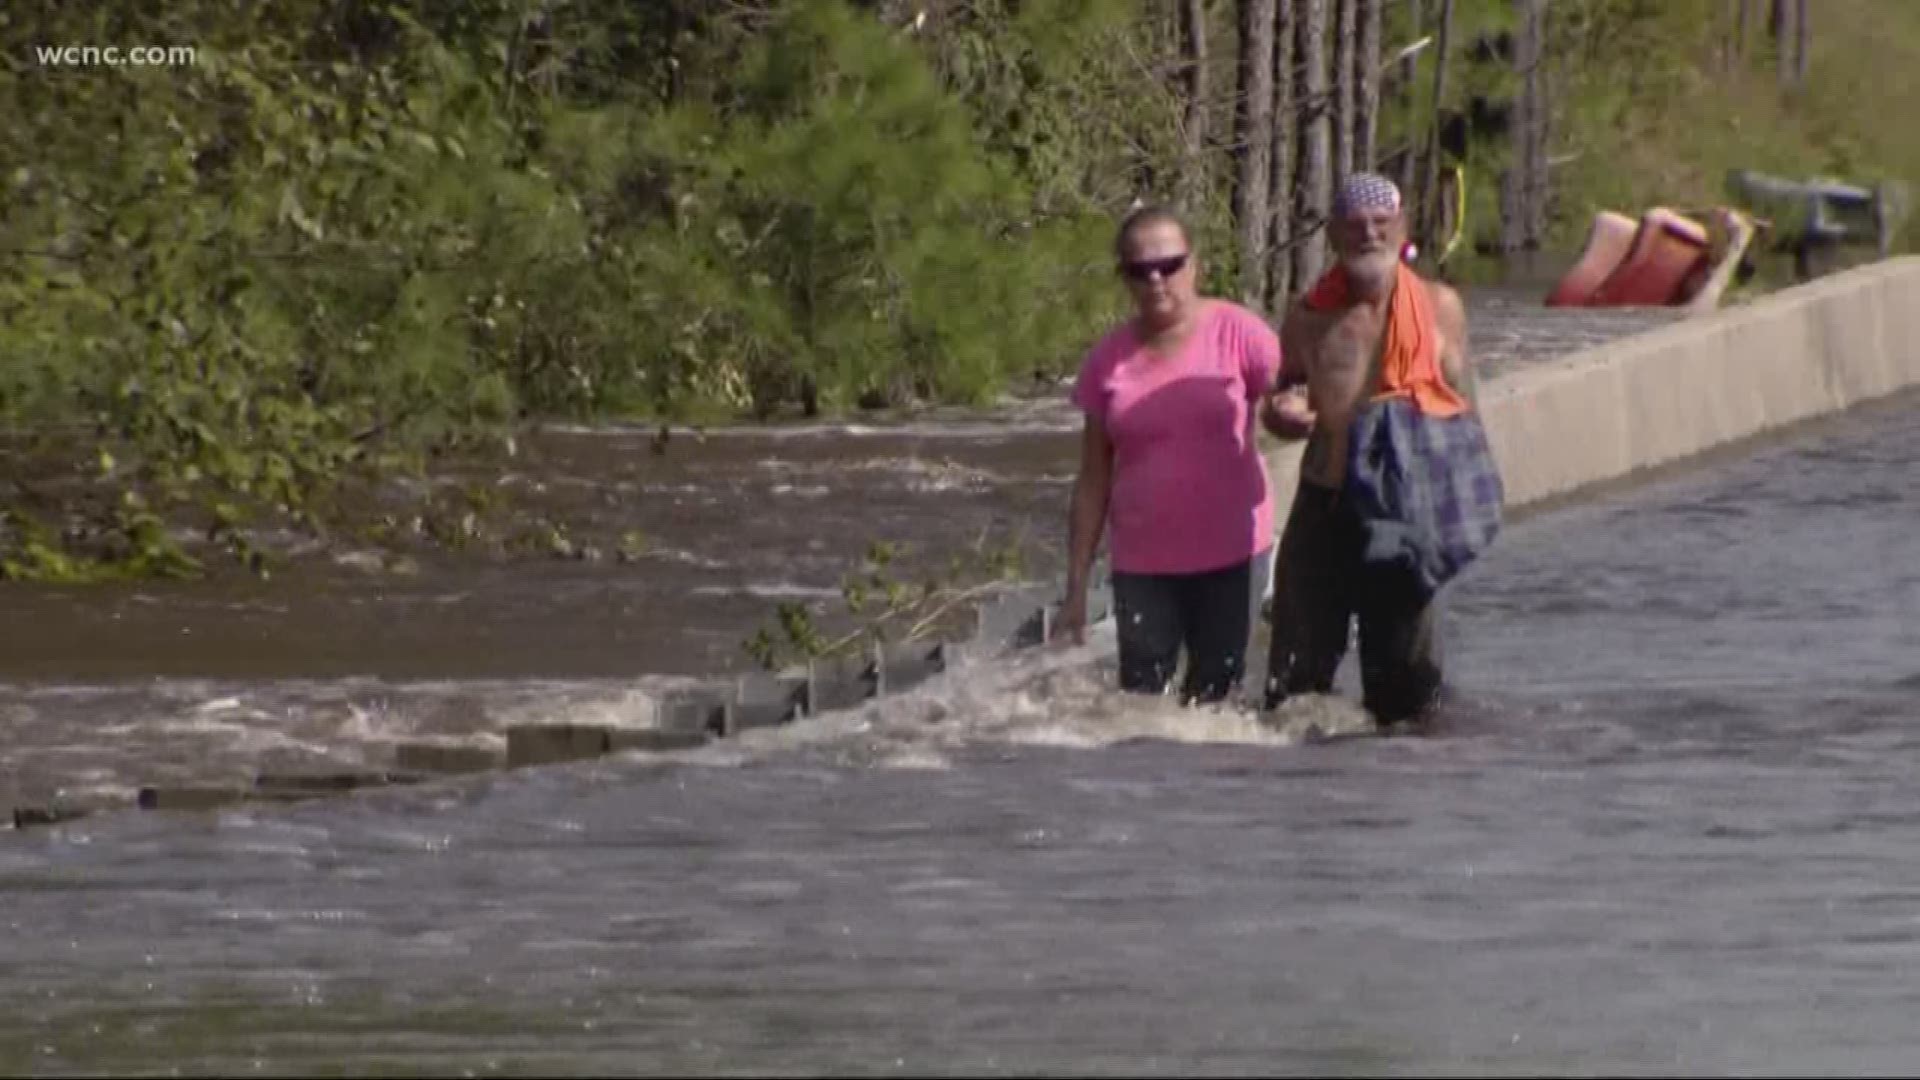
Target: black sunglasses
1145 268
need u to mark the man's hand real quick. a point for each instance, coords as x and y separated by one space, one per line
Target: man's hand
1287 415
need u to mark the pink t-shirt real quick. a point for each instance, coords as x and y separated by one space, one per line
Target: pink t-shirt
1189 485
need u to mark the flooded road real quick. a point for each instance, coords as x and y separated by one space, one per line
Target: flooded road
1670 827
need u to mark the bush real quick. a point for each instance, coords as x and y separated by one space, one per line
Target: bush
354 234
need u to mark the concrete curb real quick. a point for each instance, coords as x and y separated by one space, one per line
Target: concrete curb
1558 428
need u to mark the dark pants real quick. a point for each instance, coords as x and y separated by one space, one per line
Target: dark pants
1322 586
1209 613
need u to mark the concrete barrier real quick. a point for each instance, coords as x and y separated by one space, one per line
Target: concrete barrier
1661 397
547 744
702 709
841 683
302 785
905 666
429 757
191 798
766 701
654 740
27 817
1558 427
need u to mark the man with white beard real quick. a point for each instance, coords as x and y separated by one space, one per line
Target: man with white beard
1367 539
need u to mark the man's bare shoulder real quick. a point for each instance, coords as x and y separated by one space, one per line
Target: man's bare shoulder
1448 306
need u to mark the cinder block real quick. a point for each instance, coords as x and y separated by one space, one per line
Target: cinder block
702 709
766 701
955 654
311 785
1017 621
425 757
839 684
656 740
26 817
191 798
905 666
546 744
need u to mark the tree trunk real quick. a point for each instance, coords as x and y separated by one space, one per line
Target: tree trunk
1742 27
1522 187
1727 33
1343 88
1314 192
1193 44
1540 127
1367 124
1513 177
1410 67
1286 126
1800 34
1781 22
1430 183
1253 135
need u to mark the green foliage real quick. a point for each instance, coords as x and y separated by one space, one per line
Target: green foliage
844 232
883 605
1653 109
357 236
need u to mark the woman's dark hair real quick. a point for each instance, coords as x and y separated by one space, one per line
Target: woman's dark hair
1151 214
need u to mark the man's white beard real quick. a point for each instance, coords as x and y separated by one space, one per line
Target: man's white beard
1372 274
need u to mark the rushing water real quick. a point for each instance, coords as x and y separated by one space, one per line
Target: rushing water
104 689
1669 827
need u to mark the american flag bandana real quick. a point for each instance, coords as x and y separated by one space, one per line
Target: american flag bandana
1366 191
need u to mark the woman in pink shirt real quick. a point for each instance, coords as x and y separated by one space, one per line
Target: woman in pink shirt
1170 464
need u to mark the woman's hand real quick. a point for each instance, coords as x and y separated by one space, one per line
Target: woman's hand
1070 624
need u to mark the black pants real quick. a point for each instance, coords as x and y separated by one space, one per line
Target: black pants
1322 586
1209 613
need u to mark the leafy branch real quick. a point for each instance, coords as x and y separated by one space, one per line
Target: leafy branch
884 606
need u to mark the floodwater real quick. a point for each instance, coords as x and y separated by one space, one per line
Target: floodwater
1667 827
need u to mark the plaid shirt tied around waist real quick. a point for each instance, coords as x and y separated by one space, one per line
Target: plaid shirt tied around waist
1426 489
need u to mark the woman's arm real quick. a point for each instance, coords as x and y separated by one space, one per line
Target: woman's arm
1091 491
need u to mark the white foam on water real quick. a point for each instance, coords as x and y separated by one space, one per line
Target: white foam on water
99 747
918 474
663 489
779 590
682 556
1009 416
1066 698
623 706
186 731
373 724
916 758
